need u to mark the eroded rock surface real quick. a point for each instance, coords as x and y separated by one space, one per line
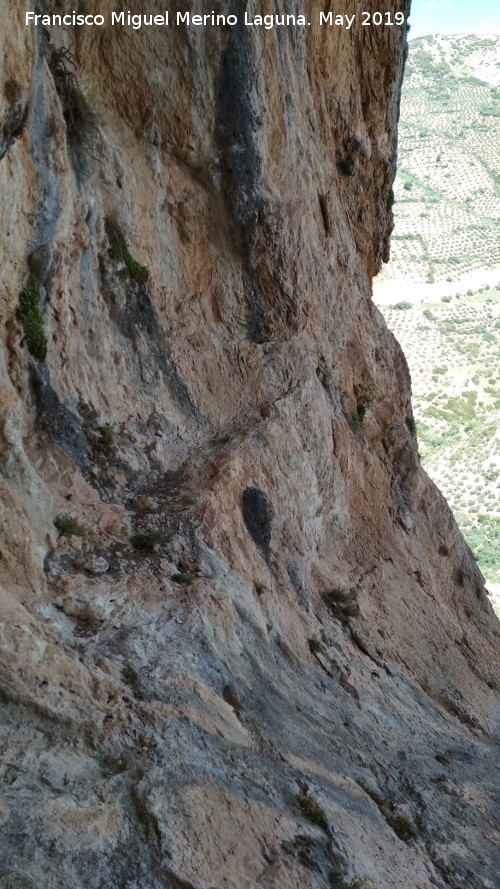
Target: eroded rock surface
227 421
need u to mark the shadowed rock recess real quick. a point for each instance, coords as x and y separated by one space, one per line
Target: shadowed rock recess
243 643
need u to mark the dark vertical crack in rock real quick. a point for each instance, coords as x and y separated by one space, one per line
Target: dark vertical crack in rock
236 114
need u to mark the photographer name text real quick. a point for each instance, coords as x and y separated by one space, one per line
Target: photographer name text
137 21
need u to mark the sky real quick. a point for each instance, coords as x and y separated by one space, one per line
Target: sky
454 17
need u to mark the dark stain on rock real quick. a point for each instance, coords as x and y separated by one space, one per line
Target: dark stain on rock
241 162
13 125
236 124
59 425
257 516
139 315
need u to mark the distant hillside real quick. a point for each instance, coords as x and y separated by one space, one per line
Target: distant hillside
453 351
440 293
447 191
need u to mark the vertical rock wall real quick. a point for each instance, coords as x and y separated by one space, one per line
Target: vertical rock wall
225 418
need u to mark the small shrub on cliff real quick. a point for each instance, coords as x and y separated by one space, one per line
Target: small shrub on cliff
445 759
390 200
345 166
66 525
16 117
183 578
259 586
352 421
342 603
130 678
323 374
315 645
106 440
301 848
148 540
29 314
311 808
401 823
339 595
100 437
119 250
81 120
337 882
373 794
363 404
89 416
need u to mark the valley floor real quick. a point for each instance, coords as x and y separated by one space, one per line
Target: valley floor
393 289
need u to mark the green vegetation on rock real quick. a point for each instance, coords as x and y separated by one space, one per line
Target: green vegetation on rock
29 314
311 808
119 250
66 525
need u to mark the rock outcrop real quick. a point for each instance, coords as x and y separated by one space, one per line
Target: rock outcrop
254 650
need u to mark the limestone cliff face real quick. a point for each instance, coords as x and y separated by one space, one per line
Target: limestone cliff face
232 436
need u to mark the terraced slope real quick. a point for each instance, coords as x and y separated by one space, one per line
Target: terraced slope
453 350
447 192
440 293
